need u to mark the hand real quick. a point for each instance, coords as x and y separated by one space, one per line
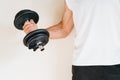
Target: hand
29 26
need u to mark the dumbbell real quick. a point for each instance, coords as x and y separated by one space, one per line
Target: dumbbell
35 39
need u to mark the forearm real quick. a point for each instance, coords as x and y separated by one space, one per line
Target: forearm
57 31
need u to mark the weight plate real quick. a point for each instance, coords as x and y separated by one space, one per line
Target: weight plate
33 34
23 16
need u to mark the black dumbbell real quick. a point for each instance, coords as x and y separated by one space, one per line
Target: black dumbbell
35 39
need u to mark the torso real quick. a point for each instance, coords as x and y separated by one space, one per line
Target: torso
97 24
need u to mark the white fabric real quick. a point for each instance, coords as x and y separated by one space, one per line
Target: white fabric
97 24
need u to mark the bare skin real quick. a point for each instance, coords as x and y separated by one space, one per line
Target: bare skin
60 30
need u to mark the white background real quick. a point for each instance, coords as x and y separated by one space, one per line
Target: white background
19 63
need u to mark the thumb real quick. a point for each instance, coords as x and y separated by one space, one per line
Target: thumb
26 23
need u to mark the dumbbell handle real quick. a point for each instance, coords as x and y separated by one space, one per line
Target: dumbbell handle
39 43
28 31
40 46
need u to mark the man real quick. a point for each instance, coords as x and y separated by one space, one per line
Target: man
97 42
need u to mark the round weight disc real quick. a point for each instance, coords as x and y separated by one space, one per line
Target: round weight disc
23 16
33 42
33 34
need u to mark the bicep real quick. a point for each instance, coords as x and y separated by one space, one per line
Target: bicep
67 20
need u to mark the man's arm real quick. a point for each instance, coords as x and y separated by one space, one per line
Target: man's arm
60 30
63 28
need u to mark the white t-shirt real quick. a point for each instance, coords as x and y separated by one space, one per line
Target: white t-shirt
97 24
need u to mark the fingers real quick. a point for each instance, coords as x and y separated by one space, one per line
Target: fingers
29 26
31 21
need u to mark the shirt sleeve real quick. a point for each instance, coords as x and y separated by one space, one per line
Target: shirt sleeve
68 3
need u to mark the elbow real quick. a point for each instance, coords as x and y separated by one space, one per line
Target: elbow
65 34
